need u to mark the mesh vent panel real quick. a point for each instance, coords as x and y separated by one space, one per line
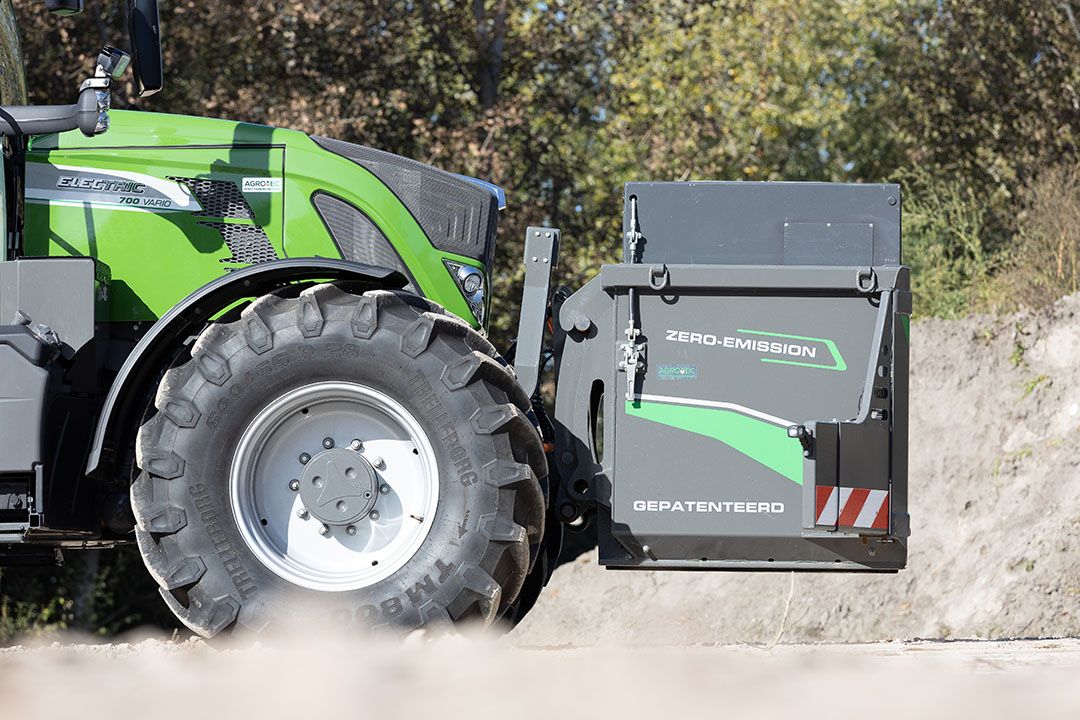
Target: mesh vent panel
248 243
219 198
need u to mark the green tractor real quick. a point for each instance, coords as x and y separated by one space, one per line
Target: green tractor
261 356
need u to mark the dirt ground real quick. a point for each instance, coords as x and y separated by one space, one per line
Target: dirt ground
995 494
468 678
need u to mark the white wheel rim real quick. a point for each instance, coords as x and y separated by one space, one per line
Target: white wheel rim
322 551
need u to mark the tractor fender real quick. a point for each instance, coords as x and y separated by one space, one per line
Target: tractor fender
124 404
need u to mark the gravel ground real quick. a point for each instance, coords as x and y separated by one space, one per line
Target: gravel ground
468 678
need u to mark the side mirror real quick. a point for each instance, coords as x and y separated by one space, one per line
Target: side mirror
144 29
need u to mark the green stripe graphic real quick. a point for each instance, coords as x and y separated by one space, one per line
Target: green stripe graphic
838 360
761 441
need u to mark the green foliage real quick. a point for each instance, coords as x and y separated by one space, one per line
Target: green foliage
767 90
95 593
944 236
990 92
967 103
1043 263
1033 384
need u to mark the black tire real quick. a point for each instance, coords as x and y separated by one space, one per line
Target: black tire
537 579
491 508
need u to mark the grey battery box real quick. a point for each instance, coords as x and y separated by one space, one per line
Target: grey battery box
52 313
69 295
734 393
26 384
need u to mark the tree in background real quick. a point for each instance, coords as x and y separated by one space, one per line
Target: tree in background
989 107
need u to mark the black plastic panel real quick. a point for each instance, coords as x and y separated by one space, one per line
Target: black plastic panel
456 215
356 236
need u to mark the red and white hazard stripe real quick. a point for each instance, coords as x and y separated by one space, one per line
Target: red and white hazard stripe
853 507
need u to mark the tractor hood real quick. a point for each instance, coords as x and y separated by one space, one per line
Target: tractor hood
246 193
458 214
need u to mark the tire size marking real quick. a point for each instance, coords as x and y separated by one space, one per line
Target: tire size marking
278 361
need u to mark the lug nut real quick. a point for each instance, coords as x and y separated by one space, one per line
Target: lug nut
377 461
350 530
294 485
304 458
374 515
324 530
302 513
384 490
355 445
328 443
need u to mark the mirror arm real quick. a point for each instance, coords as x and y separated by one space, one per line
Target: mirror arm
89 114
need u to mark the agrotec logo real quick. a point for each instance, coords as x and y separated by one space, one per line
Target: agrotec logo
782 348
262 185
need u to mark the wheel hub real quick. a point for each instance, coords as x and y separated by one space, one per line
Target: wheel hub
339 487
334 486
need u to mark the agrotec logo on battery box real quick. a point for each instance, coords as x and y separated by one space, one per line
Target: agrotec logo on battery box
780 348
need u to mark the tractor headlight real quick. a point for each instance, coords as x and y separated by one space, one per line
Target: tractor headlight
471 281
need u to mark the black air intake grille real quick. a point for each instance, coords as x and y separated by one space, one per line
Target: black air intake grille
356 236
248 243
456 215
219 198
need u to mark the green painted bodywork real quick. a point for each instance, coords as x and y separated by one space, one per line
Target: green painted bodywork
158 258
761 441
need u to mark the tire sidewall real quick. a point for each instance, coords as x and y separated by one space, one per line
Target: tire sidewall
435 574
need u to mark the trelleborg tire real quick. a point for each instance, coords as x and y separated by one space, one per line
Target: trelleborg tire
368 452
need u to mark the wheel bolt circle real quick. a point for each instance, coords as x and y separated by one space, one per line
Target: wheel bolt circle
294 485
328 443
304 458
350 530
